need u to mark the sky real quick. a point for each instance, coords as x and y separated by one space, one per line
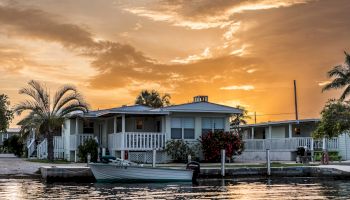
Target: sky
238 52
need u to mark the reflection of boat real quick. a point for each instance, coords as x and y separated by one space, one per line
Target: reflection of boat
122 170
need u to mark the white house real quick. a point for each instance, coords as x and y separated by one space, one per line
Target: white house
132 132
284 137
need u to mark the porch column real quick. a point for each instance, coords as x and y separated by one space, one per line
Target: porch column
122 152
115 124
270 132
76 125
252 133
290 130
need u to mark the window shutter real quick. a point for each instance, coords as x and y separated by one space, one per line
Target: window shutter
176 123
188 122
218 123
206 123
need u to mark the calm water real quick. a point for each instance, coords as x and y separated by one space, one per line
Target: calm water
299 188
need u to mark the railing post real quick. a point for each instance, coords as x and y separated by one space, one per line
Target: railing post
312 149
154 158
268 162
223 162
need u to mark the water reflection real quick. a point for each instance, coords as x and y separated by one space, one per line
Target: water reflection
296 188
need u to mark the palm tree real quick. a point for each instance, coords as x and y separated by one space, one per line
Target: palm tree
239 118
152 99
45 115
341 75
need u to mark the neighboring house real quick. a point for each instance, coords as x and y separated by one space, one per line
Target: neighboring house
10 132
132 132
284 137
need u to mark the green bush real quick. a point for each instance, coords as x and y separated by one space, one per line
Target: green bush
89 146
178 150
14 145
213 142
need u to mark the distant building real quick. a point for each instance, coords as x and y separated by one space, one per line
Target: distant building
284 137
9 132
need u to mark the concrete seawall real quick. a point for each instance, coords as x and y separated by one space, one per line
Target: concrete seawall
303 171
84 174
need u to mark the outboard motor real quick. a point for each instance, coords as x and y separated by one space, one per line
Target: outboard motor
196 168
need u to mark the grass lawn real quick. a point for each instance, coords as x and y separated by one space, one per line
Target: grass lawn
47 161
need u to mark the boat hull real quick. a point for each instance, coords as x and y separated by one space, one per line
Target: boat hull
116 173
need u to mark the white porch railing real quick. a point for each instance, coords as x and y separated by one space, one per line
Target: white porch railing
31 146
58 148
290 144
42 150
78 139
136 141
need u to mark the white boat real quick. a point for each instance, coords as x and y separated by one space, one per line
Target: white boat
121 171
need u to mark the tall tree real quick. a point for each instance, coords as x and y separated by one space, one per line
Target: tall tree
153 99
6 114
341 75
335 119
239 118
47 114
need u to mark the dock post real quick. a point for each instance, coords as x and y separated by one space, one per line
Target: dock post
88 159
103 151
268 162
154 158
189 158
223 162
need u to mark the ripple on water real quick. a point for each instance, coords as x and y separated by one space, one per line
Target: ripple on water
298 188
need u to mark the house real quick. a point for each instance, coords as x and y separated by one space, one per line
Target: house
132 132
9 133
284 137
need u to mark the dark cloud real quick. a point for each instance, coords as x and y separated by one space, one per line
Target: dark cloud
36 24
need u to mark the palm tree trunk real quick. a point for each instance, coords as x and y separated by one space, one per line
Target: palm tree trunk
50 147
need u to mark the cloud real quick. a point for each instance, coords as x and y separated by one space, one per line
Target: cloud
37 24
207 13
323 83
192 58
238 87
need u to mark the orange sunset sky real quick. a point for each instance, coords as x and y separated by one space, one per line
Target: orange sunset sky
238 52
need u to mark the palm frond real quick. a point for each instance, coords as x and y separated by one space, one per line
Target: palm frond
67 99
73 106
42 94
335 84
345 93
28 105
61 93
337 72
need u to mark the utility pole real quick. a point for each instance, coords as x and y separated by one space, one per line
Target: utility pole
295 101
255 117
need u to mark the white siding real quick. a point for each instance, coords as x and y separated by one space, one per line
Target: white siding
344 146
278 132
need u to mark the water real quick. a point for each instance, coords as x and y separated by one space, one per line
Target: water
282 188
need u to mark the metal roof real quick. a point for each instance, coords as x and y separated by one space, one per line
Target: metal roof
198 107
206 107
279 123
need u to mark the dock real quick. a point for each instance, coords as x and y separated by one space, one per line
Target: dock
66 173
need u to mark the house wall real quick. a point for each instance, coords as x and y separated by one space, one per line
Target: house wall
66 137
197 122
278 132
344 146
149 124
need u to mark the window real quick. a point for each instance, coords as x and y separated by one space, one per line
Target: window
212 124
182 128
88 127
139 124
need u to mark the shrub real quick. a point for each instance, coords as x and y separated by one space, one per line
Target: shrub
178 150
14 145
89 146
212 143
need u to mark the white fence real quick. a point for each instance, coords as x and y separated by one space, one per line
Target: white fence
31 147
289 144
136 141
58 144
77 139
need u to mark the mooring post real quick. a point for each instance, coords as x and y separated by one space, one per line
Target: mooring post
88 158
154 158
268 162
103 151
223 162
189 158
